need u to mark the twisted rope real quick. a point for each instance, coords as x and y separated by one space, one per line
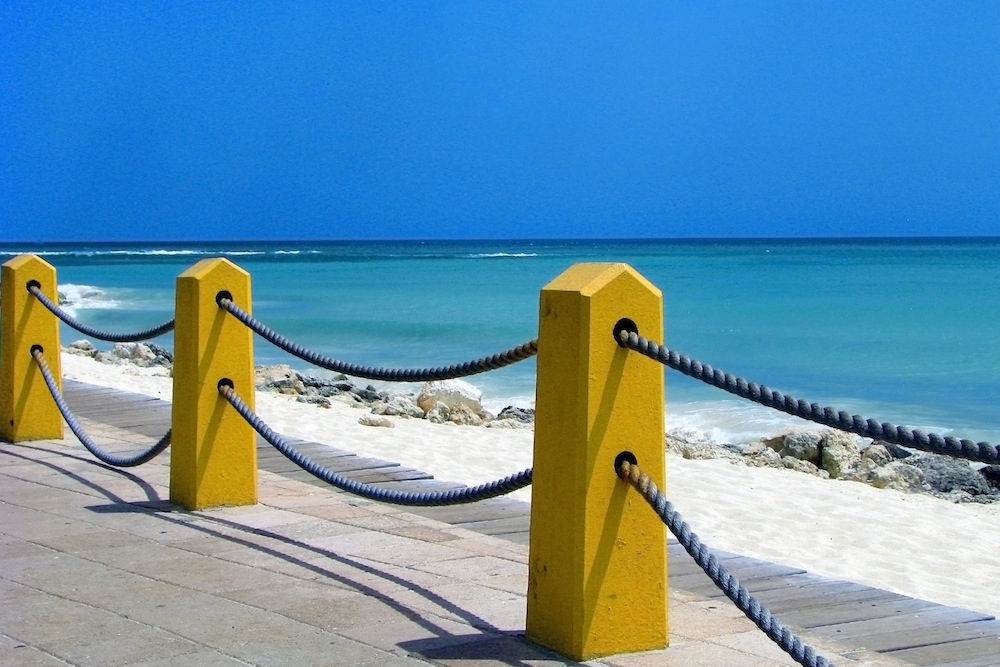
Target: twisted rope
470 494
790 643
88 330
505 358
92 447
961 448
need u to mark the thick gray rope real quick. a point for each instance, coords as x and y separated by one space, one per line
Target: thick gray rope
900 435
92 447
145 334
506 358
470 494
790 643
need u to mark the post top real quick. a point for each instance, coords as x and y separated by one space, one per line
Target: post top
590 277
23 261
210 265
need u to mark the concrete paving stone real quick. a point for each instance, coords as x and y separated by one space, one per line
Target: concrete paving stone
198 658
424 533
318 649
498 651
326 607
487 546
373 577
33 525
254 516
755 642
475 568
414 637
692 654
23 655
83 635
697 622
481 607
331 511
512 583
95 540
385 548
197 572
312 530
12 593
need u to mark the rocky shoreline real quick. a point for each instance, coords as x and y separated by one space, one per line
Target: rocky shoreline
823 453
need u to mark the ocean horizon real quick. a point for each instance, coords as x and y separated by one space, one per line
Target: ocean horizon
897 329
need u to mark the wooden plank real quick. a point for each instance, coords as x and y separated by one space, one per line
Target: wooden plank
953 653
924 618
855 611
885 642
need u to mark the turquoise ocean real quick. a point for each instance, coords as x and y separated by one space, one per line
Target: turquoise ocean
900 330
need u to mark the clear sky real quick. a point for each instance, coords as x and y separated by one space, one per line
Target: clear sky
350 120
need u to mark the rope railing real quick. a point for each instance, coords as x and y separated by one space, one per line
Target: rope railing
101 454
425 499
465 369
789 642
134 337
962 448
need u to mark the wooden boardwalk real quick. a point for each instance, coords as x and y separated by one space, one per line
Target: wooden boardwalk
906 629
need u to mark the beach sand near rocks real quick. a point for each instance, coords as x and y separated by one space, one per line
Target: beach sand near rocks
912 544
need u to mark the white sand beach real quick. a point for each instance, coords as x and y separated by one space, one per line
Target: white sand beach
913 544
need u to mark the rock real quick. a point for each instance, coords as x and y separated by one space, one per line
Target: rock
775 442
135 353
524 415
896 451
799 465
453 393
374 420
398 405
463 415
876 454
164 357
897 475
280 378
326 386
439 414
106 357
315 399
369 394
509 423
83 348
841 454
992 476
802 445
945 474
692 450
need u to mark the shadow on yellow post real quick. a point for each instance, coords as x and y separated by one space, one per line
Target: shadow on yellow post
213 454
27 411
597 557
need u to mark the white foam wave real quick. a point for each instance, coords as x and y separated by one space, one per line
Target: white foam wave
82 297
490 255
727 422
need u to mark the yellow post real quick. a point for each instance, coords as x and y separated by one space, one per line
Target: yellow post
597 557
27 411
213 454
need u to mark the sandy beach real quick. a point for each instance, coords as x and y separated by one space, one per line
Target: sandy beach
912 544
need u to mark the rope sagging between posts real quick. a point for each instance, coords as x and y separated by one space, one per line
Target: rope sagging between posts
116 460
134 337
790 643
425 499
465 369
982 452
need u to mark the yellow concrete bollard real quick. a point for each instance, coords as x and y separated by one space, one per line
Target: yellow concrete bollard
213 453
597 557
27 411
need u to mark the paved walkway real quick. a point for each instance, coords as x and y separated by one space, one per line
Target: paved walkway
96 568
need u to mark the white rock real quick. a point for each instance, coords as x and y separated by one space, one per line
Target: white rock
453 393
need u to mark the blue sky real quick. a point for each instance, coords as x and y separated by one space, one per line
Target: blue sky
325 120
